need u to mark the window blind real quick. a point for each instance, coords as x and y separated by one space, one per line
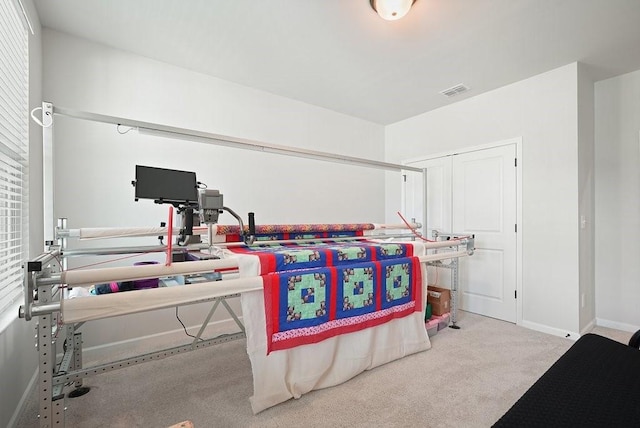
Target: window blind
14 143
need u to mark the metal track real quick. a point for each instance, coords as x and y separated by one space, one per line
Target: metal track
73 376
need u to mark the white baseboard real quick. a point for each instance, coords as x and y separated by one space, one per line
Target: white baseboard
166 338
550 330
617 325
588 327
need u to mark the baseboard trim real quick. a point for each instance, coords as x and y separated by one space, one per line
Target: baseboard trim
165 338
550 330
617 325
588 327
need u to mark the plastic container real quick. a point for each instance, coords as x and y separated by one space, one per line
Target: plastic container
141 284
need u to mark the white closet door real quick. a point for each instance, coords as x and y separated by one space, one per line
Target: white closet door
437 197
484 204
412 198
436 203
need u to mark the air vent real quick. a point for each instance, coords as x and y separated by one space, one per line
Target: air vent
454 90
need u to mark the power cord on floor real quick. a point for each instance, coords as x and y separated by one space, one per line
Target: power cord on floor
184 327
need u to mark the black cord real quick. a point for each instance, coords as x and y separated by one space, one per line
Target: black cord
183 326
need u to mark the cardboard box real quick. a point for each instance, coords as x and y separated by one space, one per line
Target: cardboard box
439 298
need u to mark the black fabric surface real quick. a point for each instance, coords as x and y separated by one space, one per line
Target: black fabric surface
596 383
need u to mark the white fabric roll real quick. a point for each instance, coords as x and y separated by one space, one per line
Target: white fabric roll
89 308
127 273
127 232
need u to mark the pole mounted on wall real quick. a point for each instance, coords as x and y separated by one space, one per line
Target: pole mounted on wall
160 130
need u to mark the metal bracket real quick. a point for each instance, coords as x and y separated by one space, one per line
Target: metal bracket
34 266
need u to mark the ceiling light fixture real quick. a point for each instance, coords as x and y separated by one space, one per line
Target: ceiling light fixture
391 9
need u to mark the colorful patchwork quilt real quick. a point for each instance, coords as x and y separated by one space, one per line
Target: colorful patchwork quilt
315 291
283 257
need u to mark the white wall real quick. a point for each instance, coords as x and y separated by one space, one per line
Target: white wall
617 140
18 360
543 111
94 165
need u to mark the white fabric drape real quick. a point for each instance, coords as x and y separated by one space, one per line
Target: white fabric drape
290 373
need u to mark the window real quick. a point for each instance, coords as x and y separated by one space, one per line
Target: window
14 143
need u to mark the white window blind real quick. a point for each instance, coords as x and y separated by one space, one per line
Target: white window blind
14 143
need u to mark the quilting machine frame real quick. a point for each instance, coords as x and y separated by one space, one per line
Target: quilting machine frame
453 266
43 286
43 291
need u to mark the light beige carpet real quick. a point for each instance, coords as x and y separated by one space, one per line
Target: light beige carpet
469 378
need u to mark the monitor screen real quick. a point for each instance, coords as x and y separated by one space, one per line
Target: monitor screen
166 185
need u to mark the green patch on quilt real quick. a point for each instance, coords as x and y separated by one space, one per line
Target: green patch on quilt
398 281
357 288
306 297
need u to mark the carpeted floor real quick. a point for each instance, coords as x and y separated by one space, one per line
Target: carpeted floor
469 378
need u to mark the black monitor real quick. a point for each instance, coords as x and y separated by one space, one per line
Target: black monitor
166 185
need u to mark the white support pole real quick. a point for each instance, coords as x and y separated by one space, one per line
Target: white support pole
442 256
425 212
124 232
47 173
128 273
160 130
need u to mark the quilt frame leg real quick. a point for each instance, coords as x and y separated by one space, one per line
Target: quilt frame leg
454 294
76 364
213 309
51 402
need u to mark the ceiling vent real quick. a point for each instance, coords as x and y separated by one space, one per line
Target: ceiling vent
454 90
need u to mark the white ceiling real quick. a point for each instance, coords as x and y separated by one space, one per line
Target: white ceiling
340 55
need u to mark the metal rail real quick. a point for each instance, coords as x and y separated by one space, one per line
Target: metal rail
63 378
228 141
